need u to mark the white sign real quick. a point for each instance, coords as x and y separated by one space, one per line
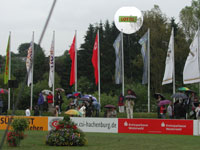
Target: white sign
108 125
128 19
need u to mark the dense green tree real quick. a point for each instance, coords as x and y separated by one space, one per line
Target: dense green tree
189 17
40 62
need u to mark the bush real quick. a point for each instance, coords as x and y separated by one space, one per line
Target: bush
19 125
66 134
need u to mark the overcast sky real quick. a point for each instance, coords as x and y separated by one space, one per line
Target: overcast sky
22 17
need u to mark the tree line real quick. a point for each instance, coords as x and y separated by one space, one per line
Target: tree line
160 29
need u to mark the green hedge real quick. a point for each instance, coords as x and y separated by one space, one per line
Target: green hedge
22 113
119 115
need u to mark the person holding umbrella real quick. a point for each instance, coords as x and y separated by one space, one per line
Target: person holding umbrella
59 100
158 97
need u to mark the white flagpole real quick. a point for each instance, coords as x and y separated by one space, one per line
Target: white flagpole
148 70
122 62
174 84
9 76
53 90
198 53
75 61
32 64
99 70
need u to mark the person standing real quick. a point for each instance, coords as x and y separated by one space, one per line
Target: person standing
197 110
163 111
121 103
59 100
36 110
40 103
159 98
195 104
129 107
1 105
83 110
28 112
56 111
50 100
170 110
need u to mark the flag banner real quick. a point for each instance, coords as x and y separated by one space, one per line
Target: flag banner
51 65
6 73
169 64
118 62
191 72
29 64
72 56
95 59
144 50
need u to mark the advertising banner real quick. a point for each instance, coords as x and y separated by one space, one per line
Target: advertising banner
155 126
53 121
109 125
35 123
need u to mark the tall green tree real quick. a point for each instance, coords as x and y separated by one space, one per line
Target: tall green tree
190 17
41 64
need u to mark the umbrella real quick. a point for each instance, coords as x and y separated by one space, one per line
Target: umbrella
109 106
131 92
183 89
159 94
179 95
3 91
84 99
164 102
76 94
60 89
73 112
46 92
190 91
70 96
88 97
130 96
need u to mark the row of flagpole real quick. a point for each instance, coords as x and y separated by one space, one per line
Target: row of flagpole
169 75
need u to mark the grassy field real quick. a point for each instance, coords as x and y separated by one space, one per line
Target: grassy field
35 140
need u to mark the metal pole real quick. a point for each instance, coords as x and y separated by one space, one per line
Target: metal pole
9 76
53 66
75 61
148 70
174 84
32 65
198 53
122 63
99 90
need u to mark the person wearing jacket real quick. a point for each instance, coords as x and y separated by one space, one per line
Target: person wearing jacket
40 103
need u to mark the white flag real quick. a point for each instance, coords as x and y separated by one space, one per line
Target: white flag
169 63
191 72
51 64
29 62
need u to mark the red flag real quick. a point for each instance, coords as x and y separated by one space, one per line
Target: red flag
95 59
72 56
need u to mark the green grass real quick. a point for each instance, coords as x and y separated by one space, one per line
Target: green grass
35 140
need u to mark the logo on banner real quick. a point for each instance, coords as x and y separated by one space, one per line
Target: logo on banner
54 122
125 123
162 124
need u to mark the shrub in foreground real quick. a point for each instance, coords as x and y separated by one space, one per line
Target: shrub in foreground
17 134
66 134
